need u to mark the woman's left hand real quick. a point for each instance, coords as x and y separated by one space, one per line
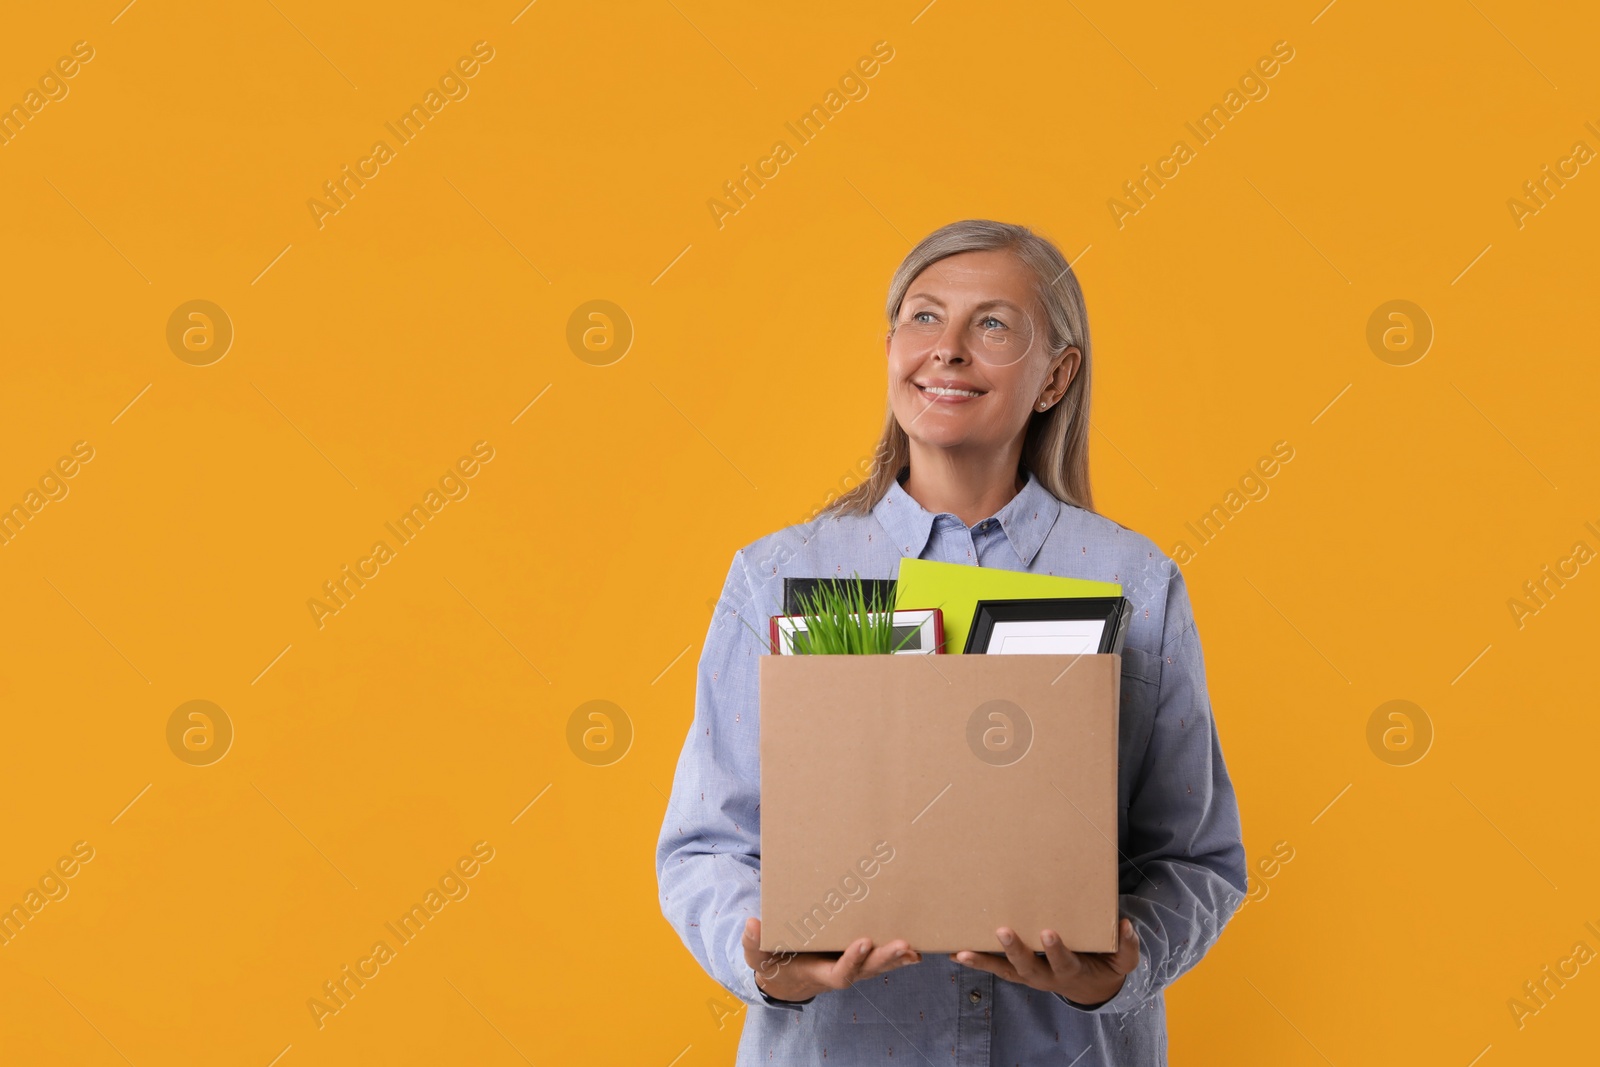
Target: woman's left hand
1087 978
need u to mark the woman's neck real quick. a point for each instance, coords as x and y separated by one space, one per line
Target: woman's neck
969 487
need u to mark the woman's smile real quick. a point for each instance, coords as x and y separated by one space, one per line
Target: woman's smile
948 391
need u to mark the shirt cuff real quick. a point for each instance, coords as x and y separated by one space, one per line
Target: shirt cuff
755 988
776 1003
1134 992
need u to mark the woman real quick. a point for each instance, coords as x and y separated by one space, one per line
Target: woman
983 461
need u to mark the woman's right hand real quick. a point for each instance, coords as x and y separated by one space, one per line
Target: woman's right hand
802 975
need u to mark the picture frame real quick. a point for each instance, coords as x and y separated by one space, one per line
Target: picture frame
1049 626
797 590
927 639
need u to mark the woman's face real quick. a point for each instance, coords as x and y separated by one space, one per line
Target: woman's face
968 354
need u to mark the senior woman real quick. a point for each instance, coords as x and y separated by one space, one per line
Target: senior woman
983 461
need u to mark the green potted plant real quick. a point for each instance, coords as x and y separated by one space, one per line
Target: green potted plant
840 619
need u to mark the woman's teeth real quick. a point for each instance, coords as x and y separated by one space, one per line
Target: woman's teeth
937 391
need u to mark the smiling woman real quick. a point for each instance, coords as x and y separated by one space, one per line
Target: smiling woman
983 461
975 351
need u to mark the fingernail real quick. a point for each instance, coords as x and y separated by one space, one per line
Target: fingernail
1005 937
866 947
1049 937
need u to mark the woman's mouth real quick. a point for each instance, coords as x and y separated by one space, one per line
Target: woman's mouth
940 394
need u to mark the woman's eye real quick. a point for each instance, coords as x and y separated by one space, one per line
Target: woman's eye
917 316
994 320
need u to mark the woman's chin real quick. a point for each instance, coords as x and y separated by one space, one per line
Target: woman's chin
951 442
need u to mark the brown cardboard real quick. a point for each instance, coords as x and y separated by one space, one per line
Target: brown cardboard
873 790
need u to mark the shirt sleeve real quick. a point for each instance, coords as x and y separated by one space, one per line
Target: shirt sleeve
708 856
1184 853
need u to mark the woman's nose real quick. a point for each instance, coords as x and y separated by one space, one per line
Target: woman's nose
951 347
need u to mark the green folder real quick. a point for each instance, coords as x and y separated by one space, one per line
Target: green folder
955 589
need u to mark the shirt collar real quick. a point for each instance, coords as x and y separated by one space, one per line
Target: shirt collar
1026 519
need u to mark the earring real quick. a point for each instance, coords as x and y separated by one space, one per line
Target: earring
1043 404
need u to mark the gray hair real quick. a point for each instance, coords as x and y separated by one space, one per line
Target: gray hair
1056 445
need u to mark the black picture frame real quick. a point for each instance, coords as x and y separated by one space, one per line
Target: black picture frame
993 618
879 592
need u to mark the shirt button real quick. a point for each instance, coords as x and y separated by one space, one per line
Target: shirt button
974 996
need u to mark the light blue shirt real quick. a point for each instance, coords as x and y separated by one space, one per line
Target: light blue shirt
1182 870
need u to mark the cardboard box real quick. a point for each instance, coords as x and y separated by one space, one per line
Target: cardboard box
935 798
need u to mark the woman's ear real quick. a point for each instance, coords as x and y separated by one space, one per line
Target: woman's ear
1066 369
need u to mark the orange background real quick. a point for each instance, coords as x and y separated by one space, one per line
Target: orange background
371 753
